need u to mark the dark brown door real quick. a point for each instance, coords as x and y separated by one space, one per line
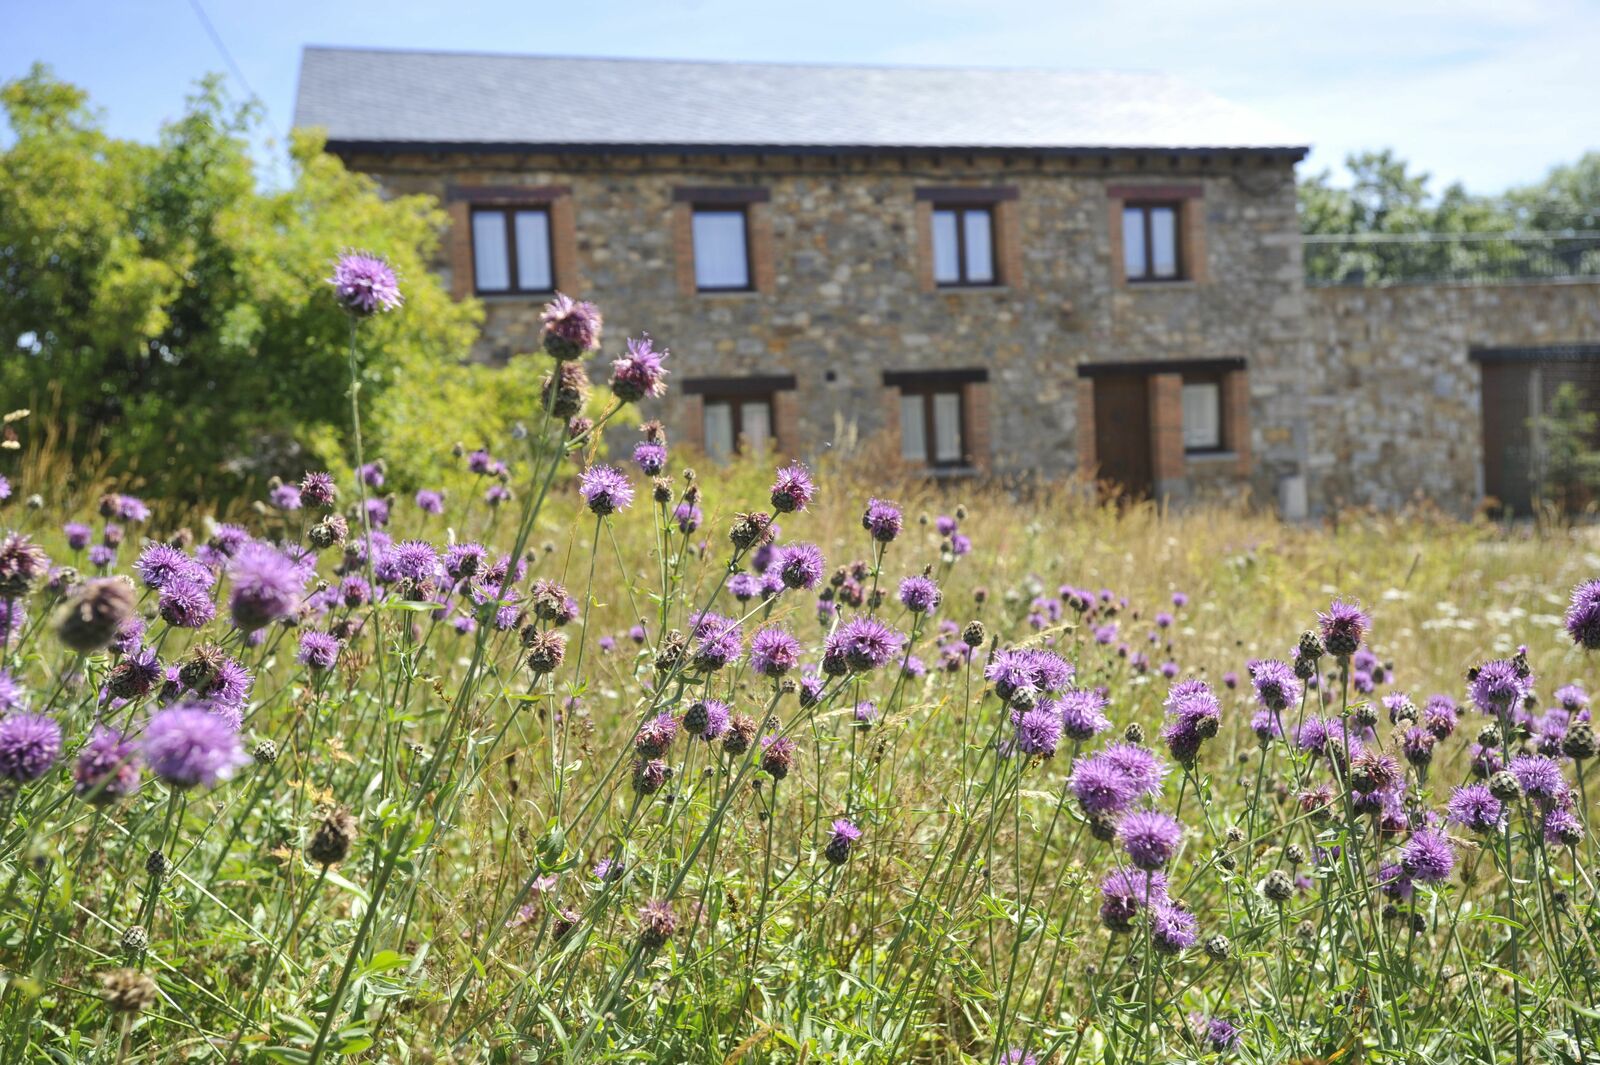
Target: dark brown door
1507 444
1122 432
1517 395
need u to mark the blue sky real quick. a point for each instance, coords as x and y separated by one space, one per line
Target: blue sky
1488 92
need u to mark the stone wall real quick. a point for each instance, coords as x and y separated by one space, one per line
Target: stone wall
844 293
1392 400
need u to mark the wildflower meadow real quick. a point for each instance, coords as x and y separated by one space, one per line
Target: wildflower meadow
586 755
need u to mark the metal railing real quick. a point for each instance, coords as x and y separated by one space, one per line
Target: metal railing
1400 258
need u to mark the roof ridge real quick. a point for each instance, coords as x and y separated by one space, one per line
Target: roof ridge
806 64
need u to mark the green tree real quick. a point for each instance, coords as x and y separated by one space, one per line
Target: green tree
155 296
1566 460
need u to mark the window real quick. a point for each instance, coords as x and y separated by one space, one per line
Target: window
931 425
511 250
721 250
736 425
1150 249
1202 415
963 245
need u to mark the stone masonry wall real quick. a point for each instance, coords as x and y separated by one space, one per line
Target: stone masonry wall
1393 402
841 258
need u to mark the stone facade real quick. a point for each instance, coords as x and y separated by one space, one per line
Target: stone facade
1334 396
1393 396
844 301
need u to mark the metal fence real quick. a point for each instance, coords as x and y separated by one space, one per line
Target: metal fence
1398 258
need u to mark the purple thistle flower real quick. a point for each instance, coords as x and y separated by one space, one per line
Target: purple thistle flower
365 284
777 756
13 696
267 587
708 719
688 517
1038 730
656 735
162 564
774 651
377 512
1498 686
1583 615
1540 778
429 502
1428 856
1101 787
1562 828
285 497
842 841
408 560
1141 766
1018 1056
639 373
650 457
1124 892
188 745
462 561
318 489
570 327
1082 713
1218 1033
130 635
1439 716
861 644
1573 699
101 556
1028 672
78 535
800 565
1150 838
1275 684
920 595
1344 625
792 489
883 520
605 490
1266 726
107 769
185 606
29 746
718 642
1173 930
1474 807
318 650
744 586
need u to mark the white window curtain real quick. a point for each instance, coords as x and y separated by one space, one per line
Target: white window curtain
1164 241
980 247
719 250
1202 416
913 434
1133 261
491 262
946 248
947 427
719 431
533 251
755 417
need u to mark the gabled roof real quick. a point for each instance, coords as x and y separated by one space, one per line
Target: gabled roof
376 98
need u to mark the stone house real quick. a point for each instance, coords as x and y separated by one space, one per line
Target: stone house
1006 271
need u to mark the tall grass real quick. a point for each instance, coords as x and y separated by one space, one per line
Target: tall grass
544 864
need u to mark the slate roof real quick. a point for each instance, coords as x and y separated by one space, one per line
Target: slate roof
373 97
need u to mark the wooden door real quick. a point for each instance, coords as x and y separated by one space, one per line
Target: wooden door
1122 432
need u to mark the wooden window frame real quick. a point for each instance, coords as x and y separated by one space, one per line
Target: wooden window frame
513 273
736 401
927 391
1144 207
961 210
743 211
1217 379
